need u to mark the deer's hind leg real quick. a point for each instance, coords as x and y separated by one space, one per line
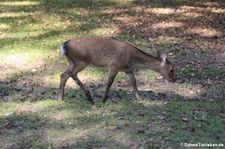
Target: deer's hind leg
63 79
77 67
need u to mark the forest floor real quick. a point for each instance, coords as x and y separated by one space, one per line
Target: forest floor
190 111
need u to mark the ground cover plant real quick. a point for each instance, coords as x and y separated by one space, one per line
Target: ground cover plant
192 110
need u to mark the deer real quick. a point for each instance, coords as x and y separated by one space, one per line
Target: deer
113 55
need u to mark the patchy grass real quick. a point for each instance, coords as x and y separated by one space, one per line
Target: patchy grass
170 114
160 124
207 73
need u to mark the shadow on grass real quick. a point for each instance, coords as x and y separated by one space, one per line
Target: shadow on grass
126 124
23 86
96 142
122 123
177 3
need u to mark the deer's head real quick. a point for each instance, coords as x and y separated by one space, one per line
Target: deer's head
166 67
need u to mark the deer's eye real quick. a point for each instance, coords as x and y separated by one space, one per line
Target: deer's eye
171 71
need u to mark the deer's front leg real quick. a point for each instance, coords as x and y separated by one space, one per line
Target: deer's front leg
111 76
134 85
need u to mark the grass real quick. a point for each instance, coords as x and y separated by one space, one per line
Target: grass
149 124
207 73
30 117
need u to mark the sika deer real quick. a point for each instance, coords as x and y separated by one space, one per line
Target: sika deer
113 55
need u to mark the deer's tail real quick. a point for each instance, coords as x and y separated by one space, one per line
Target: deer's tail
62 50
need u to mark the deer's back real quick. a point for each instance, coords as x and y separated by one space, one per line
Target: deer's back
100 52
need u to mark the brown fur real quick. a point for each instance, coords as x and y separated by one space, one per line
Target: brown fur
111 54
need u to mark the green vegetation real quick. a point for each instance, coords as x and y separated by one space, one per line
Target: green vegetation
148 124
30 35
207 73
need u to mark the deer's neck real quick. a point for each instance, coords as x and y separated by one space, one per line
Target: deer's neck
143 60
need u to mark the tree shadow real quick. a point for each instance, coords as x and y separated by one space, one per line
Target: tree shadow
177 3
22 86
130 124
95 142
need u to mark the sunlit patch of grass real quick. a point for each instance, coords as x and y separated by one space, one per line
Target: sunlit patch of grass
138 41
4 27
119 77
18 59
124 2
105 31
205 32
8 108
164 11
18 3
166 25
92 73
30 27
153 103
53 79
21 60
125 19
146 75
13 15
165 43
